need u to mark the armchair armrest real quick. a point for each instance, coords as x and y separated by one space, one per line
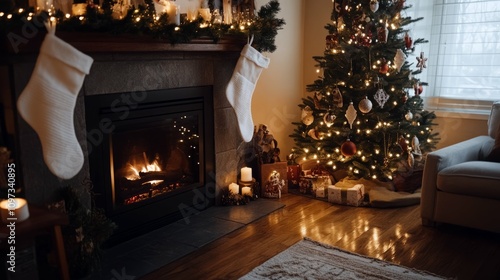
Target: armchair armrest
436 161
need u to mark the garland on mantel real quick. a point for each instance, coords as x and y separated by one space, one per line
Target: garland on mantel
142 20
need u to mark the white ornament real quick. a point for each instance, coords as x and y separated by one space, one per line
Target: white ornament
409 116
415 144
411 159
351 114
313 133
307 116
374 5
399 59
365 105
329 118
337 97
381 97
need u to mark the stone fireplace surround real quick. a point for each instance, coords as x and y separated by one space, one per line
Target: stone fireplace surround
126 66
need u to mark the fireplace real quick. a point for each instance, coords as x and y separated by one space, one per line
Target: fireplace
153 155
131 69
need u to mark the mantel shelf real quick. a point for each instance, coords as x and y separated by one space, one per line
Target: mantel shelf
105 43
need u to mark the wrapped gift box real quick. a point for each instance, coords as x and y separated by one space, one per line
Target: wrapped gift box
293 175
347 196
274 179
320 192
309 184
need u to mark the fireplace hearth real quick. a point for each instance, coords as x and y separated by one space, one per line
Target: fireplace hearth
156 154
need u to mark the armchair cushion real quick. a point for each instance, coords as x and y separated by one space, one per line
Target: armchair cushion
472 178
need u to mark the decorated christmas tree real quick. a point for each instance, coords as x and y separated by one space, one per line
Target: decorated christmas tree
364 113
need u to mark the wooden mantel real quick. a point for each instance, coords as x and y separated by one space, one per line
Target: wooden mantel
93 42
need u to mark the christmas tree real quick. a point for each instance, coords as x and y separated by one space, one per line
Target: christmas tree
365 114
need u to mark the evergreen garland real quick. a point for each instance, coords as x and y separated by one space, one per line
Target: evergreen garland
142 20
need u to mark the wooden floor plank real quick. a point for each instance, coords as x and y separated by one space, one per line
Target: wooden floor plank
394 235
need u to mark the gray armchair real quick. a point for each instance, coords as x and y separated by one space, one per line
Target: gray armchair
459 187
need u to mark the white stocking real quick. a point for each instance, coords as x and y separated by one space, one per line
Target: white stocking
240 89
47 103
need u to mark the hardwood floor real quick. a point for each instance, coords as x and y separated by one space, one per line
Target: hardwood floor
394 235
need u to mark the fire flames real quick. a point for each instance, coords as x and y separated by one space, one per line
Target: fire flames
138 170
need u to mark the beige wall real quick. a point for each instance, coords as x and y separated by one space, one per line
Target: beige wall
281 87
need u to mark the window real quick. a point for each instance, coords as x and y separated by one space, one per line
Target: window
463 69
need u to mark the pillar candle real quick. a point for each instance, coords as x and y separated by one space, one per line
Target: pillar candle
234 188
246 191
14 210
173 12
205 13
246 174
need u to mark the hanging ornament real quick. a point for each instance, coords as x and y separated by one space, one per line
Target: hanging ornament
404 97
421 61
340 23
331 41
314 134
382 33
408 41
418 89
348 148
411 159
365 105
381 97
374 5
402 143
409 116
329 118
399 4
384 67
351 114
399 59
307 116
317 98
415 145
337 97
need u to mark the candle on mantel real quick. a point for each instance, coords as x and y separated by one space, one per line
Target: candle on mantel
14 209
173 13
234 188
246 174
246 191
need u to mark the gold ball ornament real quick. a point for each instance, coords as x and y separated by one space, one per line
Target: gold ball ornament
365 105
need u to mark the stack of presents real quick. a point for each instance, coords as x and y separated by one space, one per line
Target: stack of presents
315 180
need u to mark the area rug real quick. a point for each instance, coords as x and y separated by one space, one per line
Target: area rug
309 259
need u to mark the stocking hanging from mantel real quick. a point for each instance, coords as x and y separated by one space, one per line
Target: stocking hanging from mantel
47 103
240 89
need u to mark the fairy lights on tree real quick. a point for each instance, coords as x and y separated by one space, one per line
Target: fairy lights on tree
365 112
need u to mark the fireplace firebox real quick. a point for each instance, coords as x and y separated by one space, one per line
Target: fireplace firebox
152 155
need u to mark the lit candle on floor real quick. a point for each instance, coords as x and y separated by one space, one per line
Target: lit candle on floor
234 188
246 174
14 209
246 191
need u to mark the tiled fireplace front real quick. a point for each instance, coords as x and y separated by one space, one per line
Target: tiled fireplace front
133 72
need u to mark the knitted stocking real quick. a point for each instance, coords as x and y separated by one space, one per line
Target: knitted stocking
240 89
47 103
